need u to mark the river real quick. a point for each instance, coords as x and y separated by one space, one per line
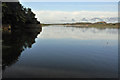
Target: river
66 52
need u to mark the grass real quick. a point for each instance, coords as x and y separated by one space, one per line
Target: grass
87 25
104 26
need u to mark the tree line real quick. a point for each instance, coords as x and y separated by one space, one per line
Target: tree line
14 13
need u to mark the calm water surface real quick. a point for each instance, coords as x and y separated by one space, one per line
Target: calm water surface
69 52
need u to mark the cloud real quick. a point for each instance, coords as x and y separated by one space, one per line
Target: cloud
68 16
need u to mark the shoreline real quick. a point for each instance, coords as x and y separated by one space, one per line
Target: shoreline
88 25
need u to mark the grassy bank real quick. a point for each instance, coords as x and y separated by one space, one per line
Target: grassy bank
87 25
104 25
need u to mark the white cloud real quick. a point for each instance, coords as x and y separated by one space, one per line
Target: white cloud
67 16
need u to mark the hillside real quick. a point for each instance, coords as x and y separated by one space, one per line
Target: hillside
13 13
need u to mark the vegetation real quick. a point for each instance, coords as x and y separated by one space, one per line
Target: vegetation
110 25
13 13
88 25
19 30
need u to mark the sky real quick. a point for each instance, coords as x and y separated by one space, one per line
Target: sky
66 0
66 12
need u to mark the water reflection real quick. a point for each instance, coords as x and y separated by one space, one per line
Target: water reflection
14 42
65 52
61 32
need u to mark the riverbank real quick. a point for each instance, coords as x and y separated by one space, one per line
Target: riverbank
88 25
